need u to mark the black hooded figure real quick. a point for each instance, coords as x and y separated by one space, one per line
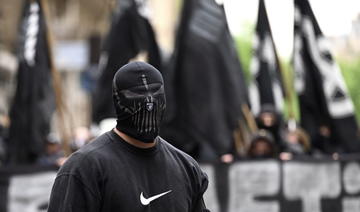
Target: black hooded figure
269 119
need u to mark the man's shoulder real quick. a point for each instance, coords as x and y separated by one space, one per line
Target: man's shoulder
88 155
96 145
193 169
183 156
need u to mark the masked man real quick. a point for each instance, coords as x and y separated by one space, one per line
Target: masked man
130 168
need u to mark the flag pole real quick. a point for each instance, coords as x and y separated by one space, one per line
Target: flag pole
290 103
241 133
250 119
286 87
60 107
241 137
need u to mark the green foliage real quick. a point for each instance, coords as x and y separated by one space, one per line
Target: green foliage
351 72
245 49
291 107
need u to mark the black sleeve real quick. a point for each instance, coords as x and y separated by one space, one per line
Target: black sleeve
200 204
70 194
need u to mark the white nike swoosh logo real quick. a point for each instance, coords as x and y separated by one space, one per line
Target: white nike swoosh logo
146 201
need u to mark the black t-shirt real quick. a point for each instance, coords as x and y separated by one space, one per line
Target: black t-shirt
113 176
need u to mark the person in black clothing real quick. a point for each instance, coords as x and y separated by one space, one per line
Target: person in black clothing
2 144
131 168
262 145
269 119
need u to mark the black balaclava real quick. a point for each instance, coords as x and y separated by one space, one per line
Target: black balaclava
139 99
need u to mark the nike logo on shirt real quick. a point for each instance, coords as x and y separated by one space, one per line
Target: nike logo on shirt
146 201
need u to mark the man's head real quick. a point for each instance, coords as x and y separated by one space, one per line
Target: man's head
139 99
268 116
262 145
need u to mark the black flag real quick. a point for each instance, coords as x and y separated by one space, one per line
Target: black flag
130 34
266 87
324 100
33 104
205 86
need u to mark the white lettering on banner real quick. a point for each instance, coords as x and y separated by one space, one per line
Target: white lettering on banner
311 182
210 197
264 51
255 186
270 58
254 98
32 34
299 68
351 204
352 186
351 178
251 180
339 106
254 87
28 192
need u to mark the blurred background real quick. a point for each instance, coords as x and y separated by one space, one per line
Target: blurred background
267 89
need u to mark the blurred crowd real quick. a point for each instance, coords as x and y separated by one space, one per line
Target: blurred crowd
274 139
53 151
277 139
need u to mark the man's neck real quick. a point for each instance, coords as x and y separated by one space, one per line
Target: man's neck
134 141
